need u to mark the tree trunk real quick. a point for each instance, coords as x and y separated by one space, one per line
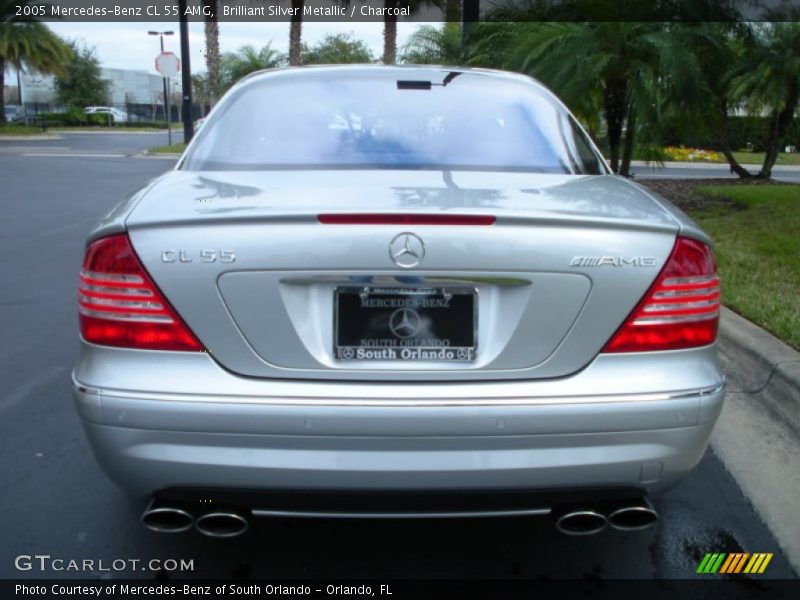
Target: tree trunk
734 164
212 53
780 125
390 34
295 32
2 91
630 140
614 110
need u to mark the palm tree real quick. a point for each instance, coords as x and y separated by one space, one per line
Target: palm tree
390 22
28 45
632 68
430 45
296 32
771 80
390 32
450 8
246 60
452 11
340 48
719 49
212 52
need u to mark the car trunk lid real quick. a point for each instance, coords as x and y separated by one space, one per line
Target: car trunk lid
247 262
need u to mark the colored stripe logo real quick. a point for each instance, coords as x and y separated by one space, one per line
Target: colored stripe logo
733 563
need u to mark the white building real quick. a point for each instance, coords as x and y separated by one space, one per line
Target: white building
125 87
136 87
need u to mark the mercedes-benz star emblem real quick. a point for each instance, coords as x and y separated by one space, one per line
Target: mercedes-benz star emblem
404 322
406 250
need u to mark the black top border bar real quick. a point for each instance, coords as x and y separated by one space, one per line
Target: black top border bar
403 10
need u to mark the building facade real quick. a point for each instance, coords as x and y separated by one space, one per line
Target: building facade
125 87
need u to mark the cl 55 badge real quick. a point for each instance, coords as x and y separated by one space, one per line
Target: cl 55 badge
612 261
205 256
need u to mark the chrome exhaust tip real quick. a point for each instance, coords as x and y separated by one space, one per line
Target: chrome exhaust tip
581 522
223 524
164 518
637 516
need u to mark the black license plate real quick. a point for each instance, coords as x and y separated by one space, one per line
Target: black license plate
405 324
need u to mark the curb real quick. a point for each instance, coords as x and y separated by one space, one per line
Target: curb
709 165
163 155
760 364
114 132
36 137
757 436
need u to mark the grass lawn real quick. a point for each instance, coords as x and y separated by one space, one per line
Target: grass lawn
173 149
757 158
19 130
758 251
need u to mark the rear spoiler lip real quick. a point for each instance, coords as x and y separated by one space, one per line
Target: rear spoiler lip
532 218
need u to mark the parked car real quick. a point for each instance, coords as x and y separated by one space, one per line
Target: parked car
426 295
14 114
116 115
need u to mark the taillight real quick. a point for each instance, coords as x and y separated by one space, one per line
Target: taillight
680 310
119 304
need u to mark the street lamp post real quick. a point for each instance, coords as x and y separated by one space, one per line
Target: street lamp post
165 80
186 75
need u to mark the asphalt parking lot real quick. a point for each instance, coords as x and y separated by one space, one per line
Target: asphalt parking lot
56 501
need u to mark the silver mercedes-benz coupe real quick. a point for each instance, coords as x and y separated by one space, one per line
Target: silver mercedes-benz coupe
396 292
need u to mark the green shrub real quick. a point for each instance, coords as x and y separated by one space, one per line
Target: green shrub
154 124
72 118
75 117
99 120
743 133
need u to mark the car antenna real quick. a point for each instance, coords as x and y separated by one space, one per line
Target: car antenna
450 76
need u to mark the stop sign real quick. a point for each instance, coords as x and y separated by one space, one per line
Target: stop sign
168 64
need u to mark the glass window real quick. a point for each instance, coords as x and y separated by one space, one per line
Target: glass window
373 119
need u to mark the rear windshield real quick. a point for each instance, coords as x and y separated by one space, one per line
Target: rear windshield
455 121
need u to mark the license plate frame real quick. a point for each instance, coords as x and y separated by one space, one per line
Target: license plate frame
399 318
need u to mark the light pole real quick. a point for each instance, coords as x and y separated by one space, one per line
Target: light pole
186 74
167 111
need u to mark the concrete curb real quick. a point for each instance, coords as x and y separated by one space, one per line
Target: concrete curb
709 165
163 155
36 137
760 364
757 436
113 132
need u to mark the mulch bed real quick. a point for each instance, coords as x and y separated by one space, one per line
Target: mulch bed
682 193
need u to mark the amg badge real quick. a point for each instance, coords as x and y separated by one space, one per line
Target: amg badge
612 261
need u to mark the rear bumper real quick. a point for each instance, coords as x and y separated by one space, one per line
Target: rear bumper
385 436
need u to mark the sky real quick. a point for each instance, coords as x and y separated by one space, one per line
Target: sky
127 45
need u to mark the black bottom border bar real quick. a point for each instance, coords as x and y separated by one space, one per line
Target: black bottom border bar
392 589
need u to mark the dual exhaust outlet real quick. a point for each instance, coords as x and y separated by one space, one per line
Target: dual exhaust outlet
223 523
173 518
627 516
